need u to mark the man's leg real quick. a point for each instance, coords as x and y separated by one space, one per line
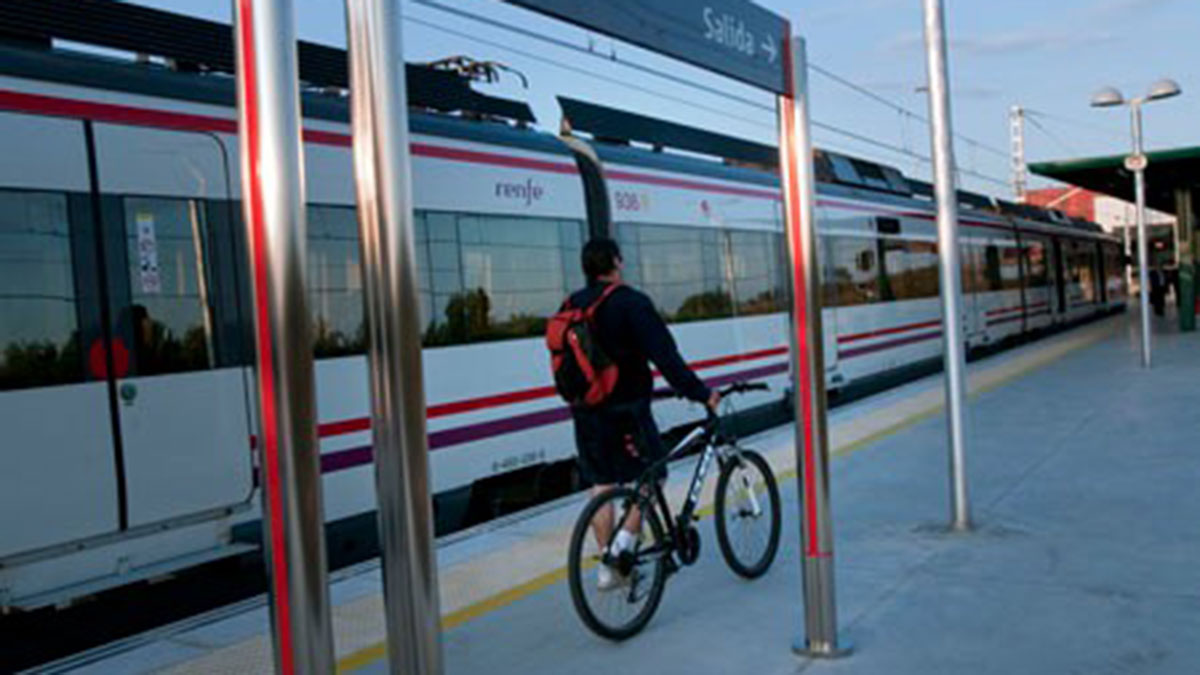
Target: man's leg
602 522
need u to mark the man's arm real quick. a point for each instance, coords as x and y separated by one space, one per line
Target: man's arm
656 343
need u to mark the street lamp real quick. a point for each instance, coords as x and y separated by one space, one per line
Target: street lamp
1109 97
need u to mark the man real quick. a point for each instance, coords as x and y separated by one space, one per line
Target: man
1158 289
618 439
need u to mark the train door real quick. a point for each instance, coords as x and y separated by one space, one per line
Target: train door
972 271
59 481
827 274
1039 285
1060 280
182 405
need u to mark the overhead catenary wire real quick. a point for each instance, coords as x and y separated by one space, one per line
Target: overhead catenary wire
902 110
612 58
1033 120
1076 125
589 73
558 42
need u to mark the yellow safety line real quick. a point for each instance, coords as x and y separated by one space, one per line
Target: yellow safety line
368 655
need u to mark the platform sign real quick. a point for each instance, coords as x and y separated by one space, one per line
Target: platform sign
736 38
1137 162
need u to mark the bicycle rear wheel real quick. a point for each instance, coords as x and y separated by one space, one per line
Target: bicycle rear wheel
748 514
622 610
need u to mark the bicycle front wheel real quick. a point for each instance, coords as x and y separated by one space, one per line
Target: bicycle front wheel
748 514
618 601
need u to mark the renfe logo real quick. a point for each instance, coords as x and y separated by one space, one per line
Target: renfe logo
526 192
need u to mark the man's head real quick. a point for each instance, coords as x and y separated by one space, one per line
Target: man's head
602 260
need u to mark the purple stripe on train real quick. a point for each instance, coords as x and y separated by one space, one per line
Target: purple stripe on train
352 457
880 346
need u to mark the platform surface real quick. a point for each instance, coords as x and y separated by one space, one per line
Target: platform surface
1084 482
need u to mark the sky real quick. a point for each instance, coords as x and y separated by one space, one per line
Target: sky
1047 56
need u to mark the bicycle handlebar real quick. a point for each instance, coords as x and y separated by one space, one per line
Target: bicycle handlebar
735 388
742 387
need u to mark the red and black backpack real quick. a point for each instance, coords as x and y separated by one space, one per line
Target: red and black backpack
583 374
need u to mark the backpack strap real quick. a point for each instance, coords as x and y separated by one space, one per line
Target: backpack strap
590 311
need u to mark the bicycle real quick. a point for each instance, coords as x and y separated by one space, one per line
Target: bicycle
746 497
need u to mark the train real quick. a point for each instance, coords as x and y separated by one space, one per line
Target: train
126 387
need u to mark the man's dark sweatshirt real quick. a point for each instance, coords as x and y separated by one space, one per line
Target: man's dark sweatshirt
618 439
631 332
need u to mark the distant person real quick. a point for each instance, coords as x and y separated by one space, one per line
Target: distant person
1158 289
615 433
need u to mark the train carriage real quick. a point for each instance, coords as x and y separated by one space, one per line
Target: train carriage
125 385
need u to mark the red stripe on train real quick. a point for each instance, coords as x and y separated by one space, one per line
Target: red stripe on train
1015 308
523 395
842 339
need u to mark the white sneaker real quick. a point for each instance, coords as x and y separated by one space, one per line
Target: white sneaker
608 578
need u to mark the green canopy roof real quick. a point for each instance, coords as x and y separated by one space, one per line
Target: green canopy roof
1167 171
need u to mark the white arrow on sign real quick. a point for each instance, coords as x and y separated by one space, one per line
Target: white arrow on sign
768 46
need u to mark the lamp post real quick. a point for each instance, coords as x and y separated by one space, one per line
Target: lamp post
1109 97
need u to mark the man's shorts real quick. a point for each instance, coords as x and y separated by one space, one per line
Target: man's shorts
617 442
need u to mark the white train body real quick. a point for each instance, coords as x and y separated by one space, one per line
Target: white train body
128 450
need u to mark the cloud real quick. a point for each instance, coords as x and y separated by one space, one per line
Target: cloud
1025 40
1109 8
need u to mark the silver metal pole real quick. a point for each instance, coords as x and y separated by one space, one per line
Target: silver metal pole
379 119
951 280
808 363
1139 187
272 166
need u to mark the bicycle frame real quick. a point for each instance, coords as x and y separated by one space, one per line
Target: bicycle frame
647 485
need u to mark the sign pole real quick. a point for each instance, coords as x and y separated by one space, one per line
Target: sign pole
272 168
379 123
1137 164
946 192
808 361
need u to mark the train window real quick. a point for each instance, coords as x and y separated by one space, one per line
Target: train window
1081 272
335 293
910 270
1114 270
755 267
866 261
169 306
991 269
1010 268
972 269
496 277
39 330
1037 272
887 225
851 277
681 268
